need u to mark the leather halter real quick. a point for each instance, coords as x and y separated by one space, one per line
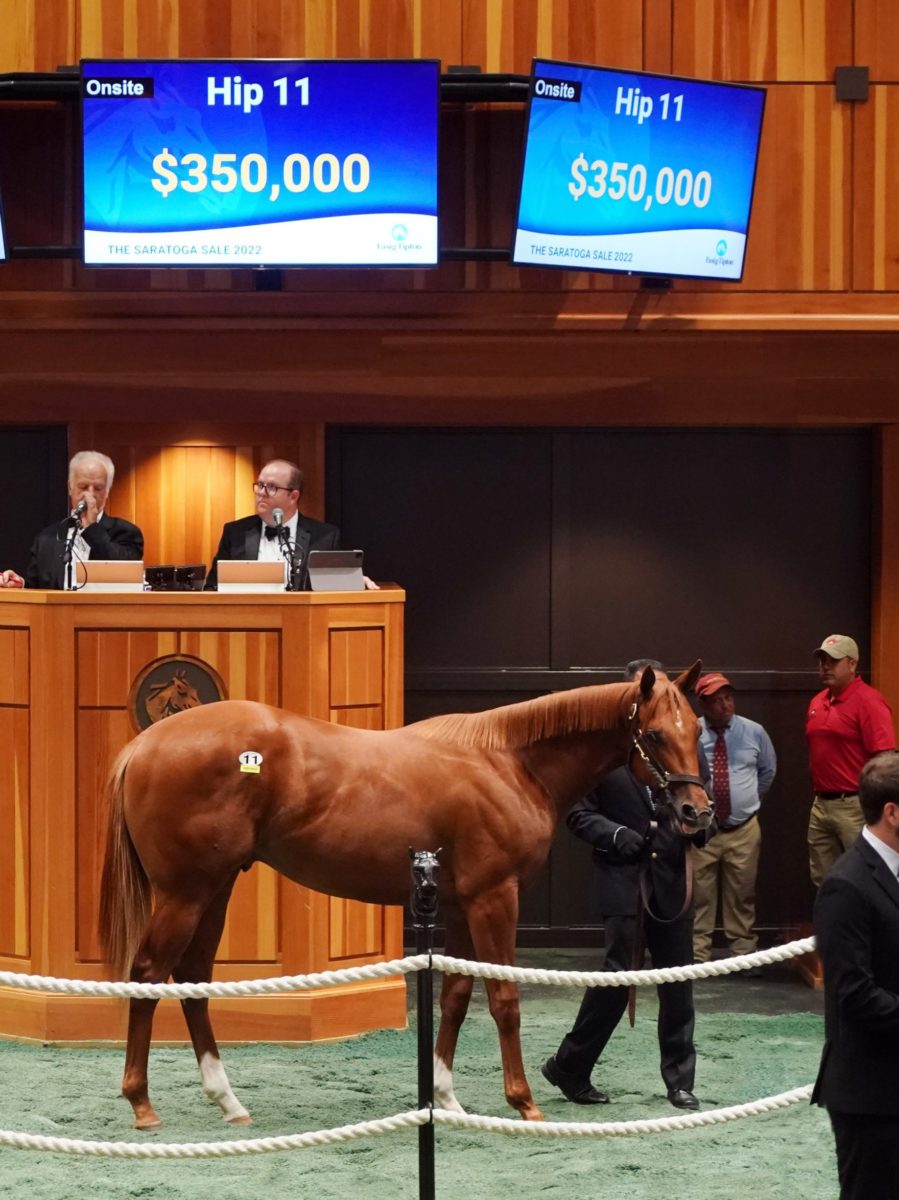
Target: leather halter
659 773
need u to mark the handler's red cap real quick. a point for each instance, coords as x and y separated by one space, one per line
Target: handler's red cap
707 685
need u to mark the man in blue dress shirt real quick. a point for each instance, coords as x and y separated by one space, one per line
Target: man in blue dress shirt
743 764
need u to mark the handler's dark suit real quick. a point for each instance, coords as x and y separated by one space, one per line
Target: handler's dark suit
240 540
857 929
621 801
110 537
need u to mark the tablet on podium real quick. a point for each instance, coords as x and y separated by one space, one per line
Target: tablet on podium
109 575
248 575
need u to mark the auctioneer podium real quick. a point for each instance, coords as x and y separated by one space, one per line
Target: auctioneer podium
78 674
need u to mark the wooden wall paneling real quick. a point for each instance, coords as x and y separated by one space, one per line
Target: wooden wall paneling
877 38
265 29
801 222
504 35
53 789
357 667
101 734
108 662
875 229
14 666
15 812
764 40
356 931
37 35
658 22
248 662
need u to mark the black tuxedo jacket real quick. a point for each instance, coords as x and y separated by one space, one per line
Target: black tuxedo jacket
110 537
857 930
621 800
240 540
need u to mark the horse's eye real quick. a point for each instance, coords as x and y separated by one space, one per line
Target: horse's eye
655 736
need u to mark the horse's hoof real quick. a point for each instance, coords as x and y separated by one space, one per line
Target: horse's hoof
245 1120
532 1114
148 1123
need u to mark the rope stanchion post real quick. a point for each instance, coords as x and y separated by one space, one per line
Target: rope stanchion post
424 914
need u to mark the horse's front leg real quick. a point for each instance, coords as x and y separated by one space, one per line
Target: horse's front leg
492 920
455 994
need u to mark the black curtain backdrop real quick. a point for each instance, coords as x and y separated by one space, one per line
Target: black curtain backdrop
33 465
544 559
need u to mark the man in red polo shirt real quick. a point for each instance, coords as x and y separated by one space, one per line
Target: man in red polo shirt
847 723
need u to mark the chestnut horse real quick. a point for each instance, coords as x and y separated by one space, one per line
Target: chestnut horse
337 810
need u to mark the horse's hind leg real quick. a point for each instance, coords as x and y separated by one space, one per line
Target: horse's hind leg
171 928
455 994
196 967
492 919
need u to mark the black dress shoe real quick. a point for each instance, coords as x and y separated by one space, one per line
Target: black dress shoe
681 1098
578 1091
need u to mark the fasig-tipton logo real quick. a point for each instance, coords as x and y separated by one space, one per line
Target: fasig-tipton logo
120 87
400 243
557 89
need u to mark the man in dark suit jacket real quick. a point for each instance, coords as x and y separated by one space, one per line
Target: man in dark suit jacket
632 840
857 930
279 485
97 534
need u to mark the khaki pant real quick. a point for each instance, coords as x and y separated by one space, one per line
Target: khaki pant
833 825
726 868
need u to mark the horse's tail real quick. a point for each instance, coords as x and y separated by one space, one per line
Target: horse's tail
124 888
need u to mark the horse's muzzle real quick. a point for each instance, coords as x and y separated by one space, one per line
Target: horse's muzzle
691 818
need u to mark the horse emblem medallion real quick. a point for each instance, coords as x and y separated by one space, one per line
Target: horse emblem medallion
172 684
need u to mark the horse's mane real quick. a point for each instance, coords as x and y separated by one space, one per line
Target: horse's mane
514 725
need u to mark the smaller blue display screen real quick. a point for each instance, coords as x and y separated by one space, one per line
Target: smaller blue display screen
625 171
262 162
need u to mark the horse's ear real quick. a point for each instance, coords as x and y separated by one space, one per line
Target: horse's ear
647 683
687 681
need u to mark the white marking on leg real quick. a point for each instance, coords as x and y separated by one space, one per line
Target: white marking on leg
217 1088
444 1096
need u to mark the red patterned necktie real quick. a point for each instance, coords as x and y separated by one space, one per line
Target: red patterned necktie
721 780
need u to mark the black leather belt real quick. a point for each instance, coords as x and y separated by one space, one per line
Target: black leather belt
836 795
739 825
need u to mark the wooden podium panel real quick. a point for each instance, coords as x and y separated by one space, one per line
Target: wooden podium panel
68 665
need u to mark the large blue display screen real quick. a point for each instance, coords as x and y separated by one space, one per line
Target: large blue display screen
625 171
267 162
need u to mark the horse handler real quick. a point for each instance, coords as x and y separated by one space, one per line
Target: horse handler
633 840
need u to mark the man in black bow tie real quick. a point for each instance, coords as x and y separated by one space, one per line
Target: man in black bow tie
279 485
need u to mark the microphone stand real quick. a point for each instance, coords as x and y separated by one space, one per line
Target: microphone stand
74 523
291 558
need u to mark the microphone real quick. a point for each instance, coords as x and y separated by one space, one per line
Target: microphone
80 507
278 518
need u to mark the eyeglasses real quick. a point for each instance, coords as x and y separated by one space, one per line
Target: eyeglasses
268 488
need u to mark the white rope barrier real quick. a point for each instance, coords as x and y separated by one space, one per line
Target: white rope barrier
417 1117
723 966
714 1116
405 966
202 991
407 1120
268 1145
